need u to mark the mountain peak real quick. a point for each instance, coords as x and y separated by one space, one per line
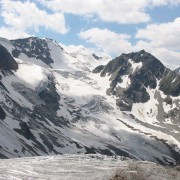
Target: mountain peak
142 51
129 61
140 56
132 74
133 53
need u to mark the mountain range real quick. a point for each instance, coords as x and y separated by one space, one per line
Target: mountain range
60 100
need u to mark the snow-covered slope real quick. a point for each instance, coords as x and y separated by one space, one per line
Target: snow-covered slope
88 57
53 104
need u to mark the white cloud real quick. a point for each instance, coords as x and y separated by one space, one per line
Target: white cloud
26 16
108 41
12 33
169 58
124 11
165 2
162 40
162 35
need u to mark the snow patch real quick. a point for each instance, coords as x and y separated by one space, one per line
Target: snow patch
31 74
135 66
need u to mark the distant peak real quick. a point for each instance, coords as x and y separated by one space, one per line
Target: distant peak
142 51
135 53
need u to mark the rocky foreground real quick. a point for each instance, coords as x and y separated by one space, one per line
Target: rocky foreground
84 167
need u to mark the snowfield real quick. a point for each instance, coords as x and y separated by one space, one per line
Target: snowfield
84 167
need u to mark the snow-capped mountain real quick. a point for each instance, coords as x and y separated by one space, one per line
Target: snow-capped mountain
53 101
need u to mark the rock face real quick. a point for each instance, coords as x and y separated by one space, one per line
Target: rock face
50 97
2 114
7 62
25 131
170 83
177 70
98 69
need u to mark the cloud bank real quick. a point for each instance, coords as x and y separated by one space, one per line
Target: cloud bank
23 17
122 12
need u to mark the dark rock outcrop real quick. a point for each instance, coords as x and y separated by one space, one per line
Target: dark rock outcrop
98 69
96 57
25 131
7 62
168 100
124 104
174 115
170 83
2 113
50 97
34 48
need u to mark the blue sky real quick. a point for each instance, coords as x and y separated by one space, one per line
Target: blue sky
112 26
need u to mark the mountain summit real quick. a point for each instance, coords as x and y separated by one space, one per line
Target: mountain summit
131 75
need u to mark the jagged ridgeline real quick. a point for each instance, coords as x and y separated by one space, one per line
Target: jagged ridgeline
55 100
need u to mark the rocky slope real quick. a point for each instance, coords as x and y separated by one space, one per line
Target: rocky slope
55 102
7 62
177 70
